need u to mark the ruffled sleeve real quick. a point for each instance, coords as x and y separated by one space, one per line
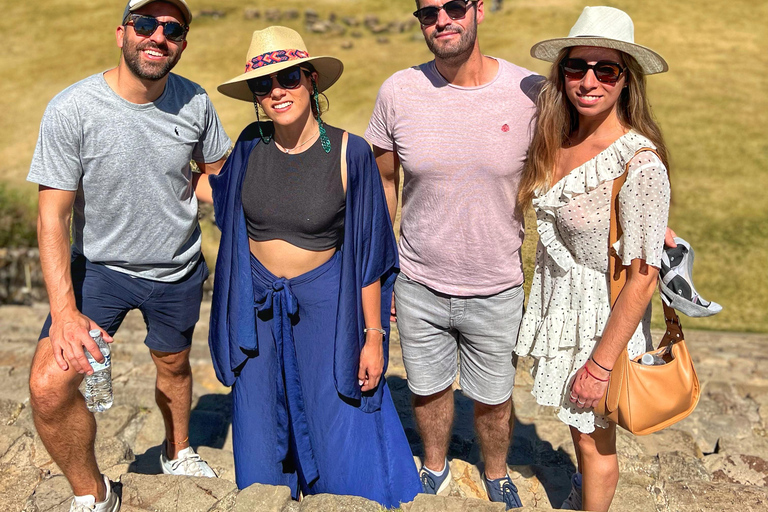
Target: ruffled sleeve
643 210
606 166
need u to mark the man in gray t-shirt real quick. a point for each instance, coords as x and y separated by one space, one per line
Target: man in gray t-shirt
112 164
460 125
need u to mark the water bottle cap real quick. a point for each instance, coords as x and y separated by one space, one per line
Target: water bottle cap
94 333
647 359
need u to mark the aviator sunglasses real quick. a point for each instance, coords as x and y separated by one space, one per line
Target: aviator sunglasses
455 9
605 71
289 78
145 26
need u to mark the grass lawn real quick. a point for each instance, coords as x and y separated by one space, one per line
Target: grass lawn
712 106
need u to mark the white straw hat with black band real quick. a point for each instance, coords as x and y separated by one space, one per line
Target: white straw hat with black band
604 27
274 49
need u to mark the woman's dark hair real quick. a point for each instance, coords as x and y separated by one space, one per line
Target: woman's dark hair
322 100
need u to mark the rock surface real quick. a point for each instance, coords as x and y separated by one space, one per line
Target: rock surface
21 277
715 460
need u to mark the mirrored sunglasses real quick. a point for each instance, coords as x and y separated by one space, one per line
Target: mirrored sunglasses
145 26
289 78
605 71
455 9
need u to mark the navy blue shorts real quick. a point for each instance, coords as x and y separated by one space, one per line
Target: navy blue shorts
170 310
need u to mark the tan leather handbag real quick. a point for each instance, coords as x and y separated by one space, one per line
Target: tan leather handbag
645 399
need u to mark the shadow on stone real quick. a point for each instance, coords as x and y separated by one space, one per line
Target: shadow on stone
117 488
552 467
463 444
210 420
147 463
208 425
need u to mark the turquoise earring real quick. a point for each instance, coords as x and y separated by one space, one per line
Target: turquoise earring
324 140
258 121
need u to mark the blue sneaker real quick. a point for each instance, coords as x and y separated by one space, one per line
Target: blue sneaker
502 490
435 484
573 501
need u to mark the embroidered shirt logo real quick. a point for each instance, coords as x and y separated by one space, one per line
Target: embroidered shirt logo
505 127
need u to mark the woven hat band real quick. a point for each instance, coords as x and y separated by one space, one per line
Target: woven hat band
265 59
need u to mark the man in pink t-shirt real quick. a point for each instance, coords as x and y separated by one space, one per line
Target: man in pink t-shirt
460 126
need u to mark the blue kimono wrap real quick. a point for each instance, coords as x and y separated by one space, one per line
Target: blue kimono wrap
290 349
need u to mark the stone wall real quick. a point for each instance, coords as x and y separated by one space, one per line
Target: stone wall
21 278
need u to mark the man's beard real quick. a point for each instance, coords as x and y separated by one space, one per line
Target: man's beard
456 50
145 69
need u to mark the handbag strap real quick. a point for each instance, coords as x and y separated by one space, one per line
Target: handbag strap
616 271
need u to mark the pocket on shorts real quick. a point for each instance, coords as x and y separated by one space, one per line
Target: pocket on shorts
510 292
403 279
508 310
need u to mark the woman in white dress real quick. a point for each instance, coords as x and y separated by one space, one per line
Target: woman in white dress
593 119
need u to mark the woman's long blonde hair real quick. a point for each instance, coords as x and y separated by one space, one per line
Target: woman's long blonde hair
556 119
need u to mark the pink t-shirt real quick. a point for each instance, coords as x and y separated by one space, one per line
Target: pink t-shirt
462 151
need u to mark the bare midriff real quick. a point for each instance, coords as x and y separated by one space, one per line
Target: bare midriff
286 260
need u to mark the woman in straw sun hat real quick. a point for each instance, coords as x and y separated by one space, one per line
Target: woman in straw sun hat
299 320
593 121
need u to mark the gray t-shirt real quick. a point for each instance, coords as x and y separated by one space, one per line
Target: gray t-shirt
135 209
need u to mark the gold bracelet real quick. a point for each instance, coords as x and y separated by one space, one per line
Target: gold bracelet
180 442
377 329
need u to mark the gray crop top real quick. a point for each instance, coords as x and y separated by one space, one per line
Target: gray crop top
297 198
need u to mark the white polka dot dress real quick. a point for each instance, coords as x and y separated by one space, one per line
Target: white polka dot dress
569 303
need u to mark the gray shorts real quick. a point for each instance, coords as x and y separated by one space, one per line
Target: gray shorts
439 332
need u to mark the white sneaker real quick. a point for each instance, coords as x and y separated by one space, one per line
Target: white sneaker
88 503
188 463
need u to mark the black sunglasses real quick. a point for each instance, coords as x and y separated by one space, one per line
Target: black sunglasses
288 78
605 71
455 9
145 26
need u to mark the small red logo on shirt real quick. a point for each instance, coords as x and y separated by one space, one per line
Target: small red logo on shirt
505 128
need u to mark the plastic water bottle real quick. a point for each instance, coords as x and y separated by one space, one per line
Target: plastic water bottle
98 385
651 359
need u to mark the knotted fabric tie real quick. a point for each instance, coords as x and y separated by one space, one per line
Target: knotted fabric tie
292 419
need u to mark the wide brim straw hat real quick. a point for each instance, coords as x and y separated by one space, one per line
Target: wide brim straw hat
604 27
274 49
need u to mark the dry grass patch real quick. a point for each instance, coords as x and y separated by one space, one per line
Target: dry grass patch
712 105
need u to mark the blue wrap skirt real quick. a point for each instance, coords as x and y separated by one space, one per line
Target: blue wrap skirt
290 426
